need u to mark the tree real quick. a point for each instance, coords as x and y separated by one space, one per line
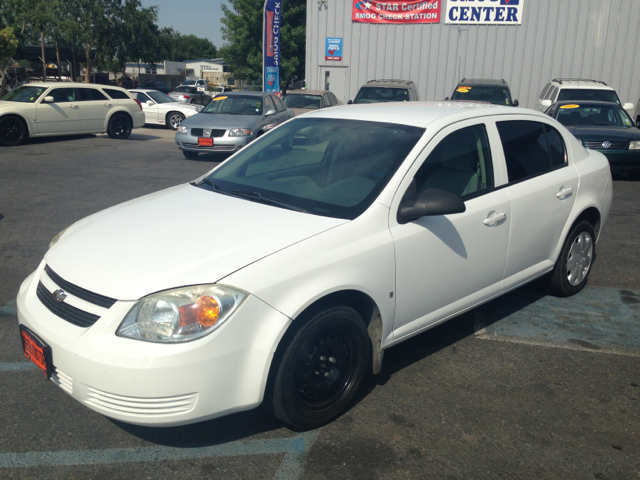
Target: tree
8 47
242 29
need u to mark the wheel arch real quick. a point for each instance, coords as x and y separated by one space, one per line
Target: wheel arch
592 214
21 118
115 112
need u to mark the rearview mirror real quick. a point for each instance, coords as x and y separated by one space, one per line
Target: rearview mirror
430 202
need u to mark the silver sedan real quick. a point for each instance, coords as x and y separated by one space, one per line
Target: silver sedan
190 95
231 121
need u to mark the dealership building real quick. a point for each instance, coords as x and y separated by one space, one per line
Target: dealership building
435 43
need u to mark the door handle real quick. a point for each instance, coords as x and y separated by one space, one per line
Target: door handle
564 192
495 218
106 104
73 105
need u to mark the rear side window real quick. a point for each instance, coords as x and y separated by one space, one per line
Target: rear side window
90 94
551 93
116 94
544 91
528 150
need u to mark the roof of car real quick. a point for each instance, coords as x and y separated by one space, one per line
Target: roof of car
143 90
245 93
582 83
69 84
587 102
418 114
388 83
307 92
476 82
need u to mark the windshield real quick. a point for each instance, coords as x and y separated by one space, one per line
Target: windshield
187 89
335 168
495 95
160 97
24 94
303 101
189 82
603 115
375 95
235 105
586 94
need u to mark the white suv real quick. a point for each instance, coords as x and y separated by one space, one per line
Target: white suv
578 89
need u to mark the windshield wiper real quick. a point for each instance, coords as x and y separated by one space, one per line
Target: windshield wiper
261 198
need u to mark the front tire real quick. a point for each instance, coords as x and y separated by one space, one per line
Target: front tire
321 369
572 269
174 119
120 126
189 155
13 131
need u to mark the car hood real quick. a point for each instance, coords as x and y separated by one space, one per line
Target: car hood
181 236
210 120
616 134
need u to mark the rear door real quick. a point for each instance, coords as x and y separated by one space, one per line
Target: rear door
542 188
95 108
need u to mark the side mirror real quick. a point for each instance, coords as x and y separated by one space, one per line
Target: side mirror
271 111
349 102
545 103
430 202
446 98
48 99
628 106
516 103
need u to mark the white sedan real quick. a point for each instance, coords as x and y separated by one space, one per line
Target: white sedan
160 109
282 275
57 108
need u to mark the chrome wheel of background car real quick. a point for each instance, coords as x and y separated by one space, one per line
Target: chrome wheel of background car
579 260
573 266
174 119
287 144
322 364
12 131
120 126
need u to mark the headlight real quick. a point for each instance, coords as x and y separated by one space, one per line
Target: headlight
55 239
240 132
634 145
181 315
183 129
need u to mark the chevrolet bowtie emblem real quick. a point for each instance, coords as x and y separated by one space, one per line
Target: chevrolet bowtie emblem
59 295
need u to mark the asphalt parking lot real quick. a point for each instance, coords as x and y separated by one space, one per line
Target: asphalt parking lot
526 387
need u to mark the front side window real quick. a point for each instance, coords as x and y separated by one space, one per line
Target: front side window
461 164
24 94
375 95
62 95
141 97
527 149
234 105
338 174
160 97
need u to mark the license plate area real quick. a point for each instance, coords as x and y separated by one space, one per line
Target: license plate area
36 350
205 142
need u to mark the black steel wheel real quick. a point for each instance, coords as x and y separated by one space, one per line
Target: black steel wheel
120 126
572 269
190 155
321 369
13 131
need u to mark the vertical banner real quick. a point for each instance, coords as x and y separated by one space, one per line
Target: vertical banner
333 50
272 18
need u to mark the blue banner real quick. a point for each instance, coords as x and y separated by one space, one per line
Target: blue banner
271 40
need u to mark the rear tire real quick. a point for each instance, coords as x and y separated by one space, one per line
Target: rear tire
120 126
572 269
174 119
189 155
13 131
321 368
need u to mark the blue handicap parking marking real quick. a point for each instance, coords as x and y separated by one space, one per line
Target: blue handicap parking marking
598 319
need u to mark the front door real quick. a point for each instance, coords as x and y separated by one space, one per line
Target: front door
335 79
63 115
447 263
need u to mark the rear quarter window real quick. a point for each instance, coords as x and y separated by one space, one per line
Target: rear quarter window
116 94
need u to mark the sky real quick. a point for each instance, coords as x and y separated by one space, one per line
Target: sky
197 17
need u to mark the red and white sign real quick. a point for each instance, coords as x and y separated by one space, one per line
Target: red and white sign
396 11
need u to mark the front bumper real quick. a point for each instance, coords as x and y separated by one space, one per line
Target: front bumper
622 160
225 143
157 384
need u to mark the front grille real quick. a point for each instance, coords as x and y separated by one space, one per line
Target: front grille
614 145
215 148
199 132
64 310
79 292
140 406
